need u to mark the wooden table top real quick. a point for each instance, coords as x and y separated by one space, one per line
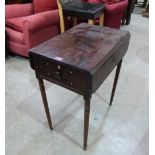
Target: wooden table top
84 47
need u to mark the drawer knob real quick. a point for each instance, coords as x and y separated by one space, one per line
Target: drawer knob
71 83
71 72
58 66
57 73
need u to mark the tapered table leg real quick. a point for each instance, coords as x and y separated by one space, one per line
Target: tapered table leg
115 81
86 122
44 98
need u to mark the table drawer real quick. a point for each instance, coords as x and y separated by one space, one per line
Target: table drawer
61 74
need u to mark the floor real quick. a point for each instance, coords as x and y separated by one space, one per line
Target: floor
118 130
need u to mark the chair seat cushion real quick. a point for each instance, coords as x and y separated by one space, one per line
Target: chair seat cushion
111 1
93 1
15 23
44 5
104 1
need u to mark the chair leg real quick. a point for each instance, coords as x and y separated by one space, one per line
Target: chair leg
74 21
62 24
147 9
145 2
101 20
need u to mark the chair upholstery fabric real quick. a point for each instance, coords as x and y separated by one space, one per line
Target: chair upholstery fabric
44 5
15 23
114 11
18 10
29 29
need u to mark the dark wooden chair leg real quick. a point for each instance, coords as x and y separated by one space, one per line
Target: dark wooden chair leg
86 122
144 3
115 81
147 9
44 98
123 18
130 8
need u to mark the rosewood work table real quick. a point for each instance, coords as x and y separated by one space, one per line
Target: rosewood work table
80 59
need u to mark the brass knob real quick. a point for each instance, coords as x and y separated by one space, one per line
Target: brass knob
58 66
58 73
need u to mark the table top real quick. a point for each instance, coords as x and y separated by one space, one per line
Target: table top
84 46
82 9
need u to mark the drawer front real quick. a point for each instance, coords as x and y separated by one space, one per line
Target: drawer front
61 74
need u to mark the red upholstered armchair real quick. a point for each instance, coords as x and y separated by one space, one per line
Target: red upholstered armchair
114 11
27 25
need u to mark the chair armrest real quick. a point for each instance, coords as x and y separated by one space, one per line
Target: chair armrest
38 21
18 10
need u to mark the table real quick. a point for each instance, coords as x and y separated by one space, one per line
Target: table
82 10
80 59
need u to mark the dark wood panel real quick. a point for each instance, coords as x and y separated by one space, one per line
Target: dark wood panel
59 74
